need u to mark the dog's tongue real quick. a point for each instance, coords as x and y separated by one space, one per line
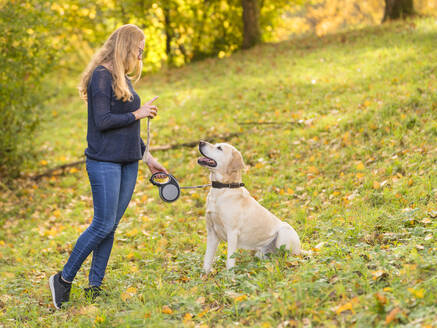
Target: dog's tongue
205 160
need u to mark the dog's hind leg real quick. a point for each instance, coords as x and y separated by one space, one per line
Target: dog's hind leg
288 237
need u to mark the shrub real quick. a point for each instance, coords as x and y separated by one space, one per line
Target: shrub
28 49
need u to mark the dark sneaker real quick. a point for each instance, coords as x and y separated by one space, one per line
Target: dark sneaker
93 292
60 290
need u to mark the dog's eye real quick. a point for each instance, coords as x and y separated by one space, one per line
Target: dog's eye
220 148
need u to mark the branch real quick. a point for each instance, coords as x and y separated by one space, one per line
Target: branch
51 172
271 123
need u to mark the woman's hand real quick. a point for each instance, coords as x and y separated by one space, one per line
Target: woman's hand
147 110
154 165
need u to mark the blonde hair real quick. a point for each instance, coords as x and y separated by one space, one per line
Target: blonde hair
121 49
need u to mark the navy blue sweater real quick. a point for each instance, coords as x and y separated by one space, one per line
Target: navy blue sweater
113 133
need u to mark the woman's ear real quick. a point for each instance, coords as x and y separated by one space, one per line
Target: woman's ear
236 163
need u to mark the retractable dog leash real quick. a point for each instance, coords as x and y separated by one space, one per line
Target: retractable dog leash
169 189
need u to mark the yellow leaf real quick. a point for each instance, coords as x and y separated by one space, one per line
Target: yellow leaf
410 182
43 162
201 314
131 291
313 169
360 175
336 193
73 170
418 293
376 185
132 232
344 307
188 316
240 298
166 309
290 191
360 166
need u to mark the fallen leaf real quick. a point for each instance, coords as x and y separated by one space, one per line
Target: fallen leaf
187 317
418 293
392 315
240 298
344 307
381 298
131 291
360 166
379 275
166 309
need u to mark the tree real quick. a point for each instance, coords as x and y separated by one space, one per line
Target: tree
396 9
29 48
251 27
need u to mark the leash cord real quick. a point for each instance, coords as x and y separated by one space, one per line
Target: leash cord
200 186
146 152
146 155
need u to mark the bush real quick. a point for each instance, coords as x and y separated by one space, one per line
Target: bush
28 49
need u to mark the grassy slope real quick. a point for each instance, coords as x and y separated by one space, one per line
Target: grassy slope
359 175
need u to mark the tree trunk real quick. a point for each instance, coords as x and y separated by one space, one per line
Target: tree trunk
168 32
251 29
396 9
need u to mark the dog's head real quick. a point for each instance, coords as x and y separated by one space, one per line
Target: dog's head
221 158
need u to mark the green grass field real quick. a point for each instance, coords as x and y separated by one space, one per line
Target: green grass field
352 167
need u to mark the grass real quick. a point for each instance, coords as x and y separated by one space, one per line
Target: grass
356 176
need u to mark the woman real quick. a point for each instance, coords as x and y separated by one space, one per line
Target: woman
114 148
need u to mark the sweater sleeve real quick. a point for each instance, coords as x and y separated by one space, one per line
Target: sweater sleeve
101 86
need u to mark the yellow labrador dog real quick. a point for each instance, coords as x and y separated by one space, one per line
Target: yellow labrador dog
234 216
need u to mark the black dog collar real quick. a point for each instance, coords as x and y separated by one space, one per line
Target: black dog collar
219 185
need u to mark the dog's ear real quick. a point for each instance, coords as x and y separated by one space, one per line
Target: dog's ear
236 163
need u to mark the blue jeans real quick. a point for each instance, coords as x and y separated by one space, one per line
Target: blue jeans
112 185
